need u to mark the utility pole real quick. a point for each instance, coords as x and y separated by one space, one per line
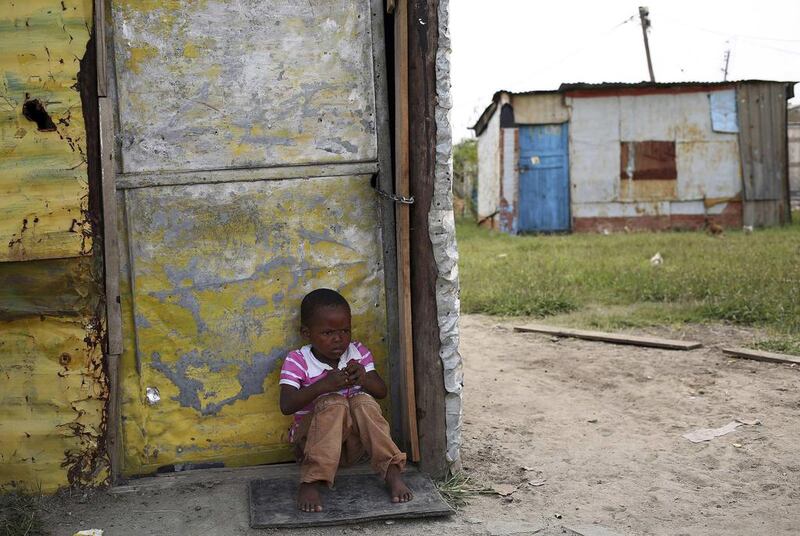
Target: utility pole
644 15
725 69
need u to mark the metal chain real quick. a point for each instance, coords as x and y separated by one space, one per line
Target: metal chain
396 198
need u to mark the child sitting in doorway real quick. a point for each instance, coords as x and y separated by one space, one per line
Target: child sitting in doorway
330 385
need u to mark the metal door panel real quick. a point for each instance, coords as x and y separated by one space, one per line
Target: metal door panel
219 84
543 178
217 274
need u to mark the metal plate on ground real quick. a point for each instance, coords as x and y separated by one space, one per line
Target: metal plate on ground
355 499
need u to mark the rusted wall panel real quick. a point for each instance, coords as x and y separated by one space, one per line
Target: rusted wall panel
706 162
539 109
594 151
43 186
218 274
762 137
53 403
213 85
54 287
712 168
52 420
762 117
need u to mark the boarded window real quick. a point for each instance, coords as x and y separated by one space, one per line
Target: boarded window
647 160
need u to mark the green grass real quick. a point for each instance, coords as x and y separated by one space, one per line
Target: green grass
606 281
459 488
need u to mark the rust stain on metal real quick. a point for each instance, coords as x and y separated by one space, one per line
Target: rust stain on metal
42 136
56 391
648 160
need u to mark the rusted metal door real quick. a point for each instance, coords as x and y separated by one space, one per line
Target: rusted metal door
247 142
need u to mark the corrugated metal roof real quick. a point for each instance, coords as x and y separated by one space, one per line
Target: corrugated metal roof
604 87
643 85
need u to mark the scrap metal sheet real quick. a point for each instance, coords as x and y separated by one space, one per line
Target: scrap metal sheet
43 183
218 272
52 425
215 84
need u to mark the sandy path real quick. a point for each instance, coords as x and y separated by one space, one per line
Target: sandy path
600 424
603 423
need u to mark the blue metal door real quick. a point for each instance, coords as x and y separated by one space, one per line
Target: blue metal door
543 178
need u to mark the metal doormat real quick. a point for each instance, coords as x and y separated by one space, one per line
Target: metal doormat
355 499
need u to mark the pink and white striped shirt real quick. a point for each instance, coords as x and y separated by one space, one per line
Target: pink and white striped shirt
301 369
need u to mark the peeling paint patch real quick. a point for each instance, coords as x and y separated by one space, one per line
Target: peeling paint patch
218 272
295 85
204 395
53 399
42 135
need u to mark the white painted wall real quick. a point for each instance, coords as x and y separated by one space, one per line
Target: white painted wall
794 162
510 174
594 135
489 167
707 162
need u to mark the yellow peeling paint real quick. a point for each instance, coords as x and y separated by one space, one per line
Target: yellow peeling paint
54 390
52 401
43 187
190 90
218 274
138 55
648 190
191 51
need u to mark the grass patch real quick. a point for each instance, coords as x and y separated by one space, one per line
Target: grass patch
780 345
457 490
607 282
19 515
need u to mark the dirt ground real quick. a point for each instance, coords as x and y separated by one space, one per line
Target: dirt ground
595 427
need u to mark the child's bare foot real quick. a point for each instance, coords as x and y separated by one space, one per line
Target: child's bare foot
397 488
308 499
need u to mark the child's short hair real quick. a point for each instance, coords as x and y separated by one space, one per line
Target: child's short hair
321 297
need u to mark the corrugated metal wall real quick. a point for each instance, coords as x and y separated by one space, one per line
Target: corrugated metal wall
762 121
489 168
708 175
246 143
52 403
793 131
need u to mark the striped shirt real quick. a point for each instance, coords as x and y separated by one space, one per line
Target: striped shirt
301 369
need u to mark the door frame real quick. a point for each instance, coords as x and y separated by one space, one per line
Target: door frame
399 383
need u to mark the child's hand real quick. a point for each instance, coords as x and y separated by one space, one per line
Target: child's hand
355 373
334 381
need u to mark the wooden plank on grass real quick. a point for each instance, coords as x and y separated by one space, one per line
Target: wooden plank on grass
616 338
757 355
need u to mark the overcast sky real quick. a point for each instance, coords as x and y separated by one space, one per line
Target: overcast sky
522 45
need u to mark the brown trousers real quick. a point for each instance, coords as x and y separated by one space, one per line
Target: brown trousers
342 431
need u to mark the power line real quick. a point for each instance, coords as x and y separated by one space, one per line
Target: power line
730 34
589 42
784 50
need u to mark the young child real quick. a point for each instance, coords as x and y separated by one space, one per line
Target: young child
330 385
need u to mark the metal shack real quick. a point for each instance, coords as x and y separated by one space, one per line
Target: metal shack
174 177
597 157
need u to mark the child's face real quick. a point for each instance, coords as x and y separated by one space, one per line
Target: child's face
329 332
